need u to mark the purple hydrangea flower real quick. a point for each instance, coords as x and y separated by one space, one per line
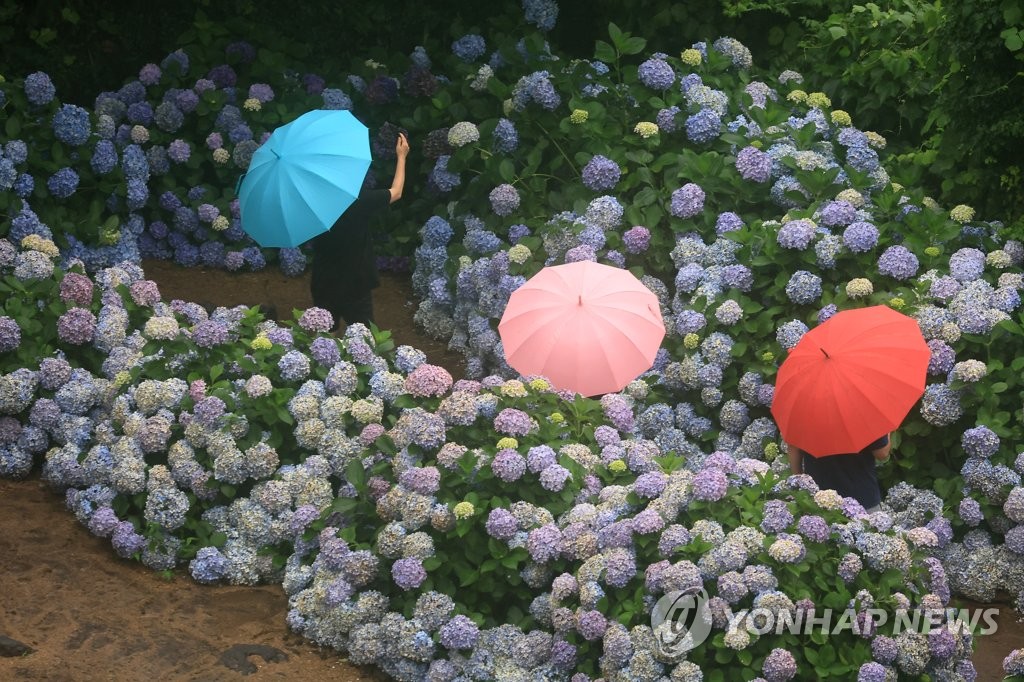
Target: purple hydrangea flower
316 320
77 326
409 573
459 633
796 234
779 665
423 480
777 517
687 201
636 239
942 358
980 441
508 465
837 213
501 524
754 164
601 173
504 199
710 484
967 264
513 422
649 485
656 74
591 625
970 512
898 262
554 478
10 334
544 543
860 237
728 222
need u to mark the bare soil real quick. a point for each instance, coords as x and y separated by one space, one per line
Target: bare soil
85 614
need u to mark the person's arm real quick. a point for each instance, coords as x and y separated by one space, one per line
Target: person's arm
882 454
401 151
796 464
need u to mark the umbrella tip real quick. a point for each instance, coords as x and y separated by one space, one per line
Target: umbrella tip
823 351
581 299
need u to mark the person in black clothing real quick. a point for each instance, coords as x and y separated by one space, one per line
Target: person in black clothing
850 475
344 266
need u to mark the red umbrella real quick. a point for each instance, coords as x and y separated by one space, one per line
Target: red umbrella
850 380
587 327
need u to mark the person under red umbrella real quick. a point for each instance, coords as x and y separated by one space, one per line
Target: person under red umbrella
842 391
850 475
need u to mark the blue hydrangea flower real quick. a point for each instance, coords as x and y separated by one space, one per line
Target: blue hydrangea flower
469 47
666 119
898 262
541 13
980 441
837 213
687 201
790 333
600 173
804 287
63 183
335 99
505 136
796 234
436 232
860 237
443 179
656 74
39 88
71 125
704 126
537 88
104 157
967 264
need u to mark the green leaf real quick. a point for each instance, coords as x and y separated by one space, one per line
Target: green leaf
216 371
507 170
356 474
602 52
634 45
614 32
645 197
1013 39
13 126
837 32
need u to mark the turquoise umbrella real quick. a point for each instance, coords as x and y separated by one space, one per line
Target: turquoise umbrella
304 177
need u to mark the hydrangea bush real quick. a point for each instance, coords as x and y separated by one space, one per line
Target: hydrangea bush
492 527
434 527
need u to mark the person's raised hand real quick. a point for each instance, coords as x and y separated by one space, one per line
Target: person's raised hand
402 146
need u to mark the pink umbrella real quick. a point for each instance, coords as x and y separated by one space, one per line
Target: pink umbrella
586 327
